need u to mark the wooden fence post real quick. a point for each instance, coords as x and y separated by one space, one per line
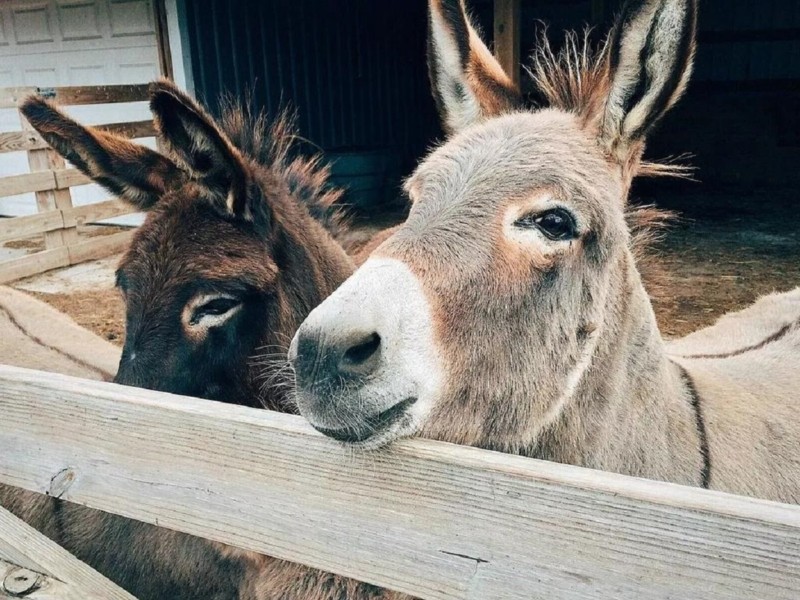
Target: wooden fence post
56 218
34 567
46 159
507 36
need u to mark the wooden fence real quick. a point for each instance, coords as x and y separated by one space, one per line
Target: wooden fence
430 519
58 220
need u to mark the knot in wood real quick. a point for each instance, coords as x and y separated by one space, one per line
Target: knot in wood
21 582
61 482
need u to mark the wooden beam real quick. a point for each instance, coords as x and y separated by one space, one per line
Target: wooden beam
10 97
100 247
162 39
64 256
437 521
75 95
47 159
28 182
507 36
33 264
67 178
98 211
22 227
35 568
21 141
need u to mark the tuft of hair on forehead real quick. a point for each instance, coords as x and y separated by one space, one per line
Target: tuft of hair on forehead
271 143
577 79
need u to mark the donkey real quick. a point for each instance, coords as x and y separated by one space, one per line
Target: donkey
235 250
508 312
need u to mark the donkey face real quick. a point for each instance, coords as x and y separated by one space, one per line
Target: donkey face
498 285
197 289
199 275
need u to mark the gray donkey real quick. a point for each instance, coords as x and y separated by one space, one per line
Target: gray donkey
508 311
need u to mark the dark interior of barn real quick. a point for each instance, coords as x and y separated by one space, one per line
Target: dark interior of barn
355 72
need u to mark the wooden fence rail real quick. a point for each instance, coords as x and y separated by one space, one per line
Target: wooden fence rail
33 567
434 520
51 181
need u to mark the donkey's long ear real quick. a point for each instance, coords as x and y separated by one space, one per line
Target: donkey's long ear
651 54
134 173
468 83
195 141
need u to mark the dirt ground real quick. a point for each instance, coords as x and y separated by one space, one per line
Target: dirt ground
93 304
101 311
720 256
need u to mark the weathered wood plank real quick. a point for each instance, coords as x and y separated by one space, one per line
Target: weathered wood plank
91 213
63 256
21 141
29 225
75 95
100 94
507 36
10 97
431 519
99 247
22 227
34 567
20 582
131 129
48 159
67 178
162 40
33 264
28 182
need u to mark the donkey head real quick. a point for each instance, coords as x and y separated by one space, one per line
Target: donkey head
483 311
201 276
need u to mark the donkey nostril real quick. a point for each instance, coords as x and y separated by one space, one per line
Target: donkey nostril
358 356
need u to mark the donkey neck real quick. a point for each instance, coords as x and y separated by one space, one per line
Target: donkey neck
633 411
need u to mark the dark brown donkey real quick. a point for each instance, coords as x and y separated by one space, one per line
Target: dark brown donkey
230 259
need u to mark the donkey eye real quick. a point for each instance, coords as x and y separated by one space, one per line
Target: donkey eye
214 308
556 224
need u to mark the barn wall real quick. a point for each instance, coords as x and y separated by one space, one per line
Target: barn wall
356 73
353 69
741 116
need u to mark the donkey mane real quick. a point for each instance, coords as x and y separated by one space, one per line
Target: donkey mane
271 143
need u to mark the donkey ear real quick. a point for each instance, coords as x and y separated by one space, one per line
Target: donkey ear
651 54
468 83
132 172
195 141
